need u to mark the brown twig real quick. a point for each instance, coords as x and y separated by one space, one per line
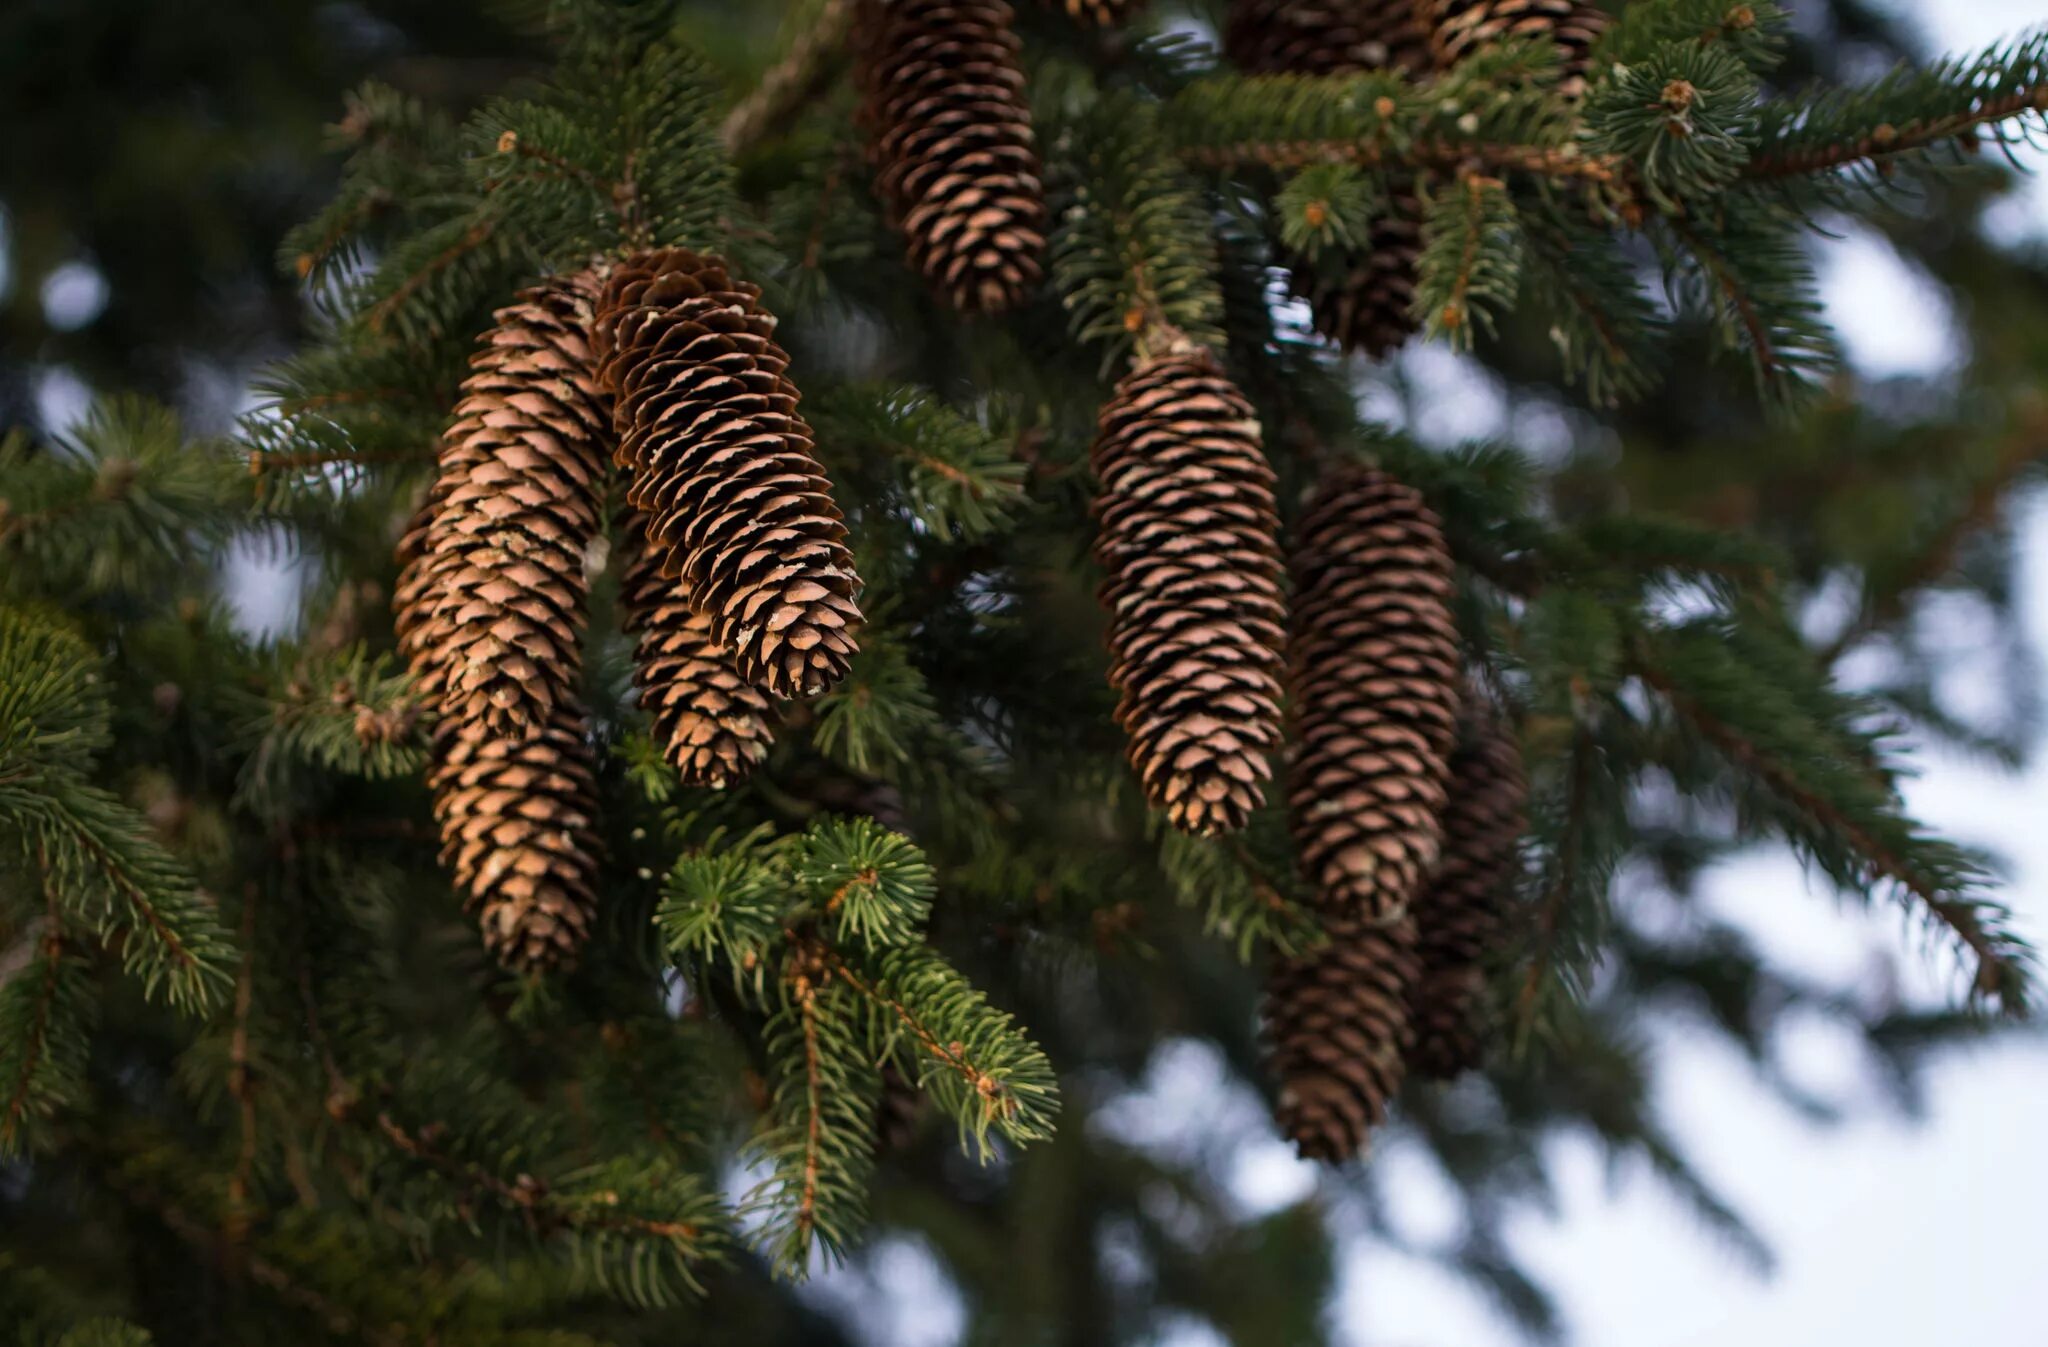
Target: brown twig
1995 971
1886 140
1979 511
1551 913
1562 163
15 1115
472 238
792 81
952 1055
241 1080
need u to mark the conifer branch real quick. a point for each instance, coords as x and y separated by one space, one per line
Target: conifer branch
1934 560
1885 140
2001 972
241 1079
27 1090
1560 163
793 81
1552 913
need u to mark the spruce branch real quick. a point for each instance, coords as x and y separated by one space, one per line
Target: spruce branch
2001 93
794 81
1472 262
1934 559
1840 814
972 1060
47 1013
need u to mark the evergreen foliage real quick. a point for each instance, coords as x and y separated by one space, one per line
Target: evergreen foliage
245 1027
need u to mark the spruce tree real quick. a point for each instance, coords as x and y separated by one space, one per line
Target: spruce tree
842 605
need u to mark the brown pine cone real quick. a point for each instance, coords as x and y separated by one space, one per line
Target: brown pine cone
1337 1032
517 816
1196 615
1462 909
720 462
490 605
954 152
1373 659
712 724
1324 37
1460 27
1371 307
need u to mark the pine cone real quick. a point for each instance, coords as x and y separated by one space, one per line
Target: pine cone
953 145
1460 27
490 606
1460 912
1371 307
1373 657
1100 13
1193 588
1337 1032
1324 37
712 724
517 819
721 464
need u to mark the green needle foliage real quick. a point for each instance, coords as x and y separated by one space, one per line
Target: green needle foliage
917 973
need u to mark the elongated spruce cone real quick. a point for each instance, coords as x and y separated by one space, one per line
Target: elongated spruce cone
1370 306
1373 659
517 818
1324 37
954 152
1461 912
490 604
712 724
721 464
1337 1033
1458 28
1192 588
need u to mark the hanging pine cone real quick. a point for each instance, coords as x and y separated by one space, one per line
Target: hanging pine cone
1460 27
1373 658
1370 307
517 816
953 147
712 724
1324 37
720 462
1337 1032
1187 528
1460 912
490 605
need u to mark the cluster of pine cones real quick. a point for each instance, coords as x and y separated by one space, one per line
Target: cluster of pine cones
660 371
737 585
1403 788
